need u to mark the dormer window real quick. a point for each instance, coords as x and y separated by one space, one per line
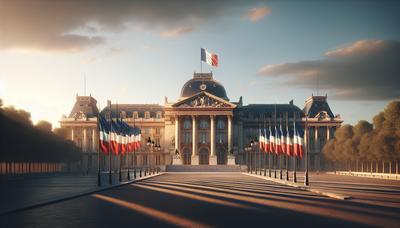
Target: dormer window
158 115
147 115
135 115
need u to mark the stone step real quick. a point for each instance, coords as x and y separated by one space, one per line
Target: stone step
203 168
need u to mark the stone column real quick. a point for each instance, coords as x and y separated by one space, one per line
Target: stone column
229 134
177 134
194 136
94 139
212 135
328 133
316 143
85 138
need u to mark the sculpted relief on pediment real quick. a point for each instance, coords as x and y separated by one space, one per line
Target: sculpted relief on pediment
80 116
204 101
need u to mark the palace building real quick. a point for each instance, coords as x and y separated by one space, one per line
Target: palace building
203 127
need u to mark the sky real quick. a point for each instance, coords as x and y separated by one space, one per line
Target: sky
142 51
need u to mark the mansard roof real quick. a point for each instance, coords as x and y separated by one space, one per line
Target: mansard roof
270 109
315 105
85 106
129 109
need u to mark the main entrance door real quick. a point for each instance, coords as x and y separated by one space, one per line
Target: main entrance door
203 156
221 156
187 155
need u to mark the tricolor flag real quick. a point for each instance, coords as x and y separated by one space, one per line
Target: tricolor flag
114 137
289 142
209 58
271 140
298 142
262 140
278 145
104 135
283 140
267 142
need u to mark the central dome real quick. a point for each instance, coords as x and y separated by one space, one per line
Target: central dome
203 82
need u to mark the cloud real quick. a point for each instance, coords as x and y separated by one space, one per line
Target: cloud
257 14
71 26
176 32
363 70
109 53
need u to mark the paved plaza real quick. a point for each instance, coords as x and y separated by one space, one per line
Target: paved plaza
222 199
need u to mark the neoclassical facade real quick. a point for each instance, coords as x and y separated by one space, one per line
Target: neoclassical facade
203 126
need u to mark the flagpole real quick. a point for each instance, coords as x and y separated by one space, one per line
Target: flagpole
275 145
265 156
98 152
287 150
109 149
127 149
134 154
294 156
120 152
280 156
306 183
270 148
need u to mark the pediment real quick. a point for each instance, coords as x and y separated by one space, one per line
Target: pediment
79 116
323 115
203 100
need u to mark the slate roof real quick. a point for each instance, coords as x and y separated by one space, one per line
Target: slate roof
85 104
129 109
269 109
212 86
316 104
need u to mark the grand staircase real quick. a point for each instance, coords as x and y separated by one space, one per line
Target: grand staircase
203 168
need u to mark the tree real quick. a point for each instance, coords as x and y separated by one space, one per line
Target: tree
44 125
63 133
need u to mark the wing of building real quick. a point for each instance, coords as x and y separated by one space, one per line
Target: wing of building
203 126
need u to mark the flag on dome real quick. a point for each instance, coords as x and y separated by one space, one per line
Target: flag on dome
104 135
210 58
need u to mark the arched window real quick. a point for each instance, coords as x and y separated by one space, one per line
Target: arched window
158 115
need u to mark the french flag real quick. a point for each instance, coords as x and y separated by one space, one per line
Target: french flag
283 140
262 141
114 137
298 142
267 141
210 58
104 135
289 142
278 148
271 140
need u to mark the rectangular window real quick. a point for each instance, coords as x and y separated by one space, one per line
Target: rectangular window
203 137
158 131
187 137
220 137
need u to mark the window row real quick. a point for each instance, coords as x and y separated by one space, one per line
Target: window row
203 124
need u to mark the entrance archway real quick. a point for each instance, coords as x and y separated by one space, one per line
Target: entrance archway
204 156
187 155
